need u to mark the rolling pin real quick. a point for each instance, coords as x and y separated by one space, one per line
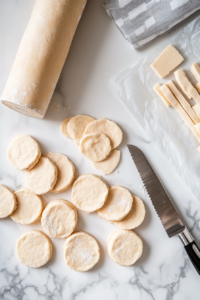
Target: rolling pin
41 55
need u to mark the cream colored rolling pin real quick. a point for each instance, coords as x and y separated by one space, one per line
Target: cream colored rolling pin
41 56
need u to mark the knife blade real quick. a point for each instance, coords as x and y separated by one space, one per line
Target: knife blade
164 207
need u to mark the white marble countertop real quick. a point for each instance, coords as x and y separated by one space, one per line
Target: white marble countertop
98 52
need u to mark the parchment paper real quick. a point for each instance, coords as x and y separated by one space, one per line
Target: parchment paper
163 125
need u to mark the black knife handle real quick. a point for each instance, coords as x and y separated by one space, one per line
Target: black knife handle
191 248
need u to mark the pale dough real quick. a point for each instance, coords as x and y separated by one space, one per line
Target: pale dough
34 249
168 60
63 127
184 103
135 216
174 102
118 204
66 171
81 251
89 192
95 146
195 69
108 165
157 90
77 125
8 201
29 207
124 247
24 152
196 108
107 127
42 178
59 218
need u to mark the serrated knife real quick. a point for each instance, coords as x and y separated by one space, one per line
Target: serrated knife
164 207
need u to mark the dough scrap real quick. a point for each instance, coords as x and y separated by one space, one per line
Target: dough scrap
118 204
135 217
157 90
107 127
66 171
89 192
59 218
63 127
24 152
108 165
95 146
77 125
195 69
81 251
8 202
124 247
29 207
42 178
34 249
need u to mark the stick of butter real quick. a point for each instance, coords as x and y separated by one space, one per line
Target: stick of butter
157 90
167 61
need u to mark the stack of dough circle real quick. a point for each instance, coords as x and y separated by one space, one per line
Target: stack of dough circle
108 165
81 251
34 249
8 202
66 171
96 146
24 152
118 204
135 217
89 193
124 247
64 129
29 207
42 178
107 127
77 125
59 218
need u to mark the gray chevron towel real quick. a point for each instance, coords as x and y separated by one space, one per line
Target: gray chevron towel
141 21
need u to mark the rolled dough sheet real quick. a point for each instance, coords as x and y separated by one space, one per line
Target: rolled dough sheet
41 55
157 90
195 69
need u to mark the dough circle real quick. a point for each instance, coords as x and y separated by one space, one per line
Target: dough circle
66 171
118 204
59 218
81 251
24 152
8 201
34 249
29 207
135 217
42 178
89 192
63 127
108 165
107 127
124 247
77 125
96 146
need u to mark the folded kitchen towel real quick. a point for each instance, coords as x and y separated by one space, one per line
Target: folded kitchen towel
140 21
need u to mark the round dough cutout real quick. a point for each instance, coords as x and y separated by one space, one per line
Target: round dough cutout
118 204
81 251
42 178
135 217
63 127
89 192
8 202
124 247
66 171
96 146
107 127
24 152
59 218
29 207
77 125
34 249
108 165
